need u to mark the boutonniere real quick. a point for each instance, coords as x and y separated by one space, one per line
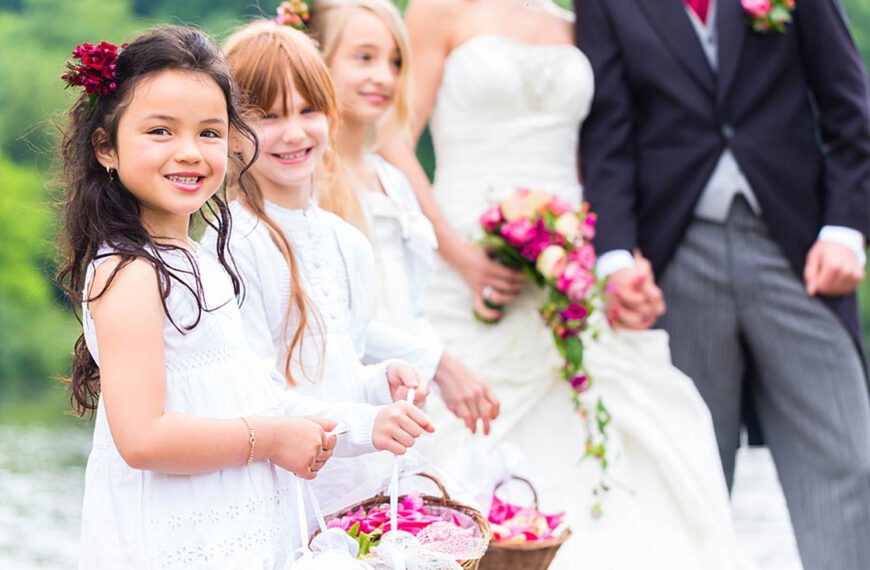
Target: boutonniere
768 15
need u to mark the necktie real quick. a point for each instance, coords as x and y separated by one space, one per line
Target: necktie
700 7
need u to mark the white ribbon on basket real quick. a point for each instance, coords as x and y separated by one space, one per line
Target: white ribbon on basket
333 548
401 550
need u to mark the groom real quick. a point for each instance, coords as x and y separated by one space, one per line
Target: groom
736 159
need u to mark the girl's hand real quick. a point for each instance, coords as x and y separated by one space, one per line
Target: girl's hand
397 426
466 394
300 444
401 376
491 283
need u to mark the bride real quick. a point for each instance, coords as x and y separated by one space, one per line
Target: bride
505 91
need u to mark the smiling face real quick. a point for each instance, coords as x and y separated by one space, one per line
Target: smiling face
293 137
171 147
365 67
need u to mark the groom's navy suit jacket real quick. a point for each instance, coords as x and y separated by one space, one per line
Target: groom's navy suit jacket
792 107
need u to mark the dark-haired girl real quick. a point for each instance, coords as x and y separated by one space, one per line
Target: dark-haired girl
192 447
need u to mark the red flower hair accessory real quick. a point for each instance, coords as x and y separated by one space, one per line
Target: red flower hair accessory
95 71
293 13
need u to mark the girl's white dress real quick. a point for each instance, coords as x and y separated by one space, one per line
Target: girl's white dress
507 116
337 270
239 517
404 245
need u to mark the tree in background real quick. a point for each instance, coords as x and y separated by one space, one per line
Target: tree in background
36 37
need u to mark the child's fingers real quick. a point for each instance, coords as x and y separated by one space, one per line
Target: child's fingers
329 443
420 418
325 423
410 427
403 438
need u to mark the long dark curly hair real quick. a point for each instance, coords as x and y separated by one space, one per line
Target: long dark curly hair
98 210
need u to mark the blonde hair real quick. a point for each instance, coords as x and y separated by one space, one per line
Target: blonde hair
262 57
327 24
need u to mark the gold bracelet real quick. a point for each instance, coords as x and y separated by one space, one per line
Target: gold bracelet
252 440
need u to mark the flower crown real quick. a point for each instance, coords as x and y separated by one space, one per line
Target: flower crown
95 70
294 13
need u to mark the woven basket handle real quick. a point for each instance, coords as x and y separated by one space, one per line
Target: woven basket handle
444 494
522 480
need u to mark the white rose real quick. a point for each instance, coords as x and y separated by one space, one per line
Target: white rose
551 261
568 224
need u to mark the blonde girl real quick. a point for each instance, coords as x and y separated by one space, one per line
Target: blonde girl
365 45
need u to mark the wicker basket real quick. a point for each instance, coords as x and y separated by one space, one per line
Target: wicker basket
443 501
533 555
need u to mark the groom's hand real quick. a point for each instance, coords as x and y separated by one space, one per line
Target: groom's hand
634 301
832 270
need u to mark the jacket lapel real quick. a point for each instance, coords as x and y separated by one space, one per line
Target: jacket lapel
671 22
731 28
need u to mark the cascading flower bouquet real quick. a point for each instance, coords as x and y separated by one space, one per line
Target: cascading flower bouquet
550 241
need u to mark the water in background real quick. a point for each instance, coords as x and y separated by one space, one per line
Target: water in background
42 480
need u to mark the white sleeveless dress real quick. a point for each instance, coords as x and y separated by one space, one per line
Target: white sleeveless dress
507 115
238 517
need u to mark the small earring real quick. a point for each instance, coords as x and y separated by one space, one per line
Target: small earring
111 172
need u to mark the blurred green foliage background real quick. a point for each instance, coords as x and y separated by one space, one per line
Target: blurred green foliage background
36 330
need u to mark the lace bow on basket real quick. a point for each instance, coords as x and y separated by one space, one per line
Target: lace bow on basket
436 547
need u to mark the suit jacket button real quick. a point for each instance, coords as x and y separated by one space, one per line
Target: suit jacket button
727 131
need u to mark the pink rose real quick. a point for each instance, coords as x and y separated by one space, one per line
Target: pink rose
585 256
580 382
540 240
588 228
558 207
757 8
575 281
579 289
491 218
574 312
519 232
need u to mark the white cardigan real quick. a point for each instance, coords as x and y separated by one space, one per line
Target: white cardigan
266 280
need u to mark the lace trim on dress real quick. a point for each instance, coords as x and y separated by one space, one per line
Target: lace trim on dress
186 362
246 542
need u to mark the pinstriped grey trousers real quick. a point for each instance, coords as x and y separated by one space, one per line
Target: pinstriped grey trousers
733 298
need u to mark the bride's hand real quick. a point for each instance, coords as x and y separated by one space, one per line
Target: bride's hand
467 395
490 282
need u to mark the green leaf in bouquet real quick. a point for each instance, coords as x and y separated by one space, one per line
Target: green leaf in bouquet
780 16
504 253
533 274
560 345
574 350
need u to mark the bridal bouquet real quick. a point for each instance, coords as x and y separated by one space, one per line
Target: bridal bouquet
550 241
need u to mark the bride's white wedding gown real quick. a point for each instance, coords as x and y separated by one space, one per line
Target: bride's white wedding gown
507 115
